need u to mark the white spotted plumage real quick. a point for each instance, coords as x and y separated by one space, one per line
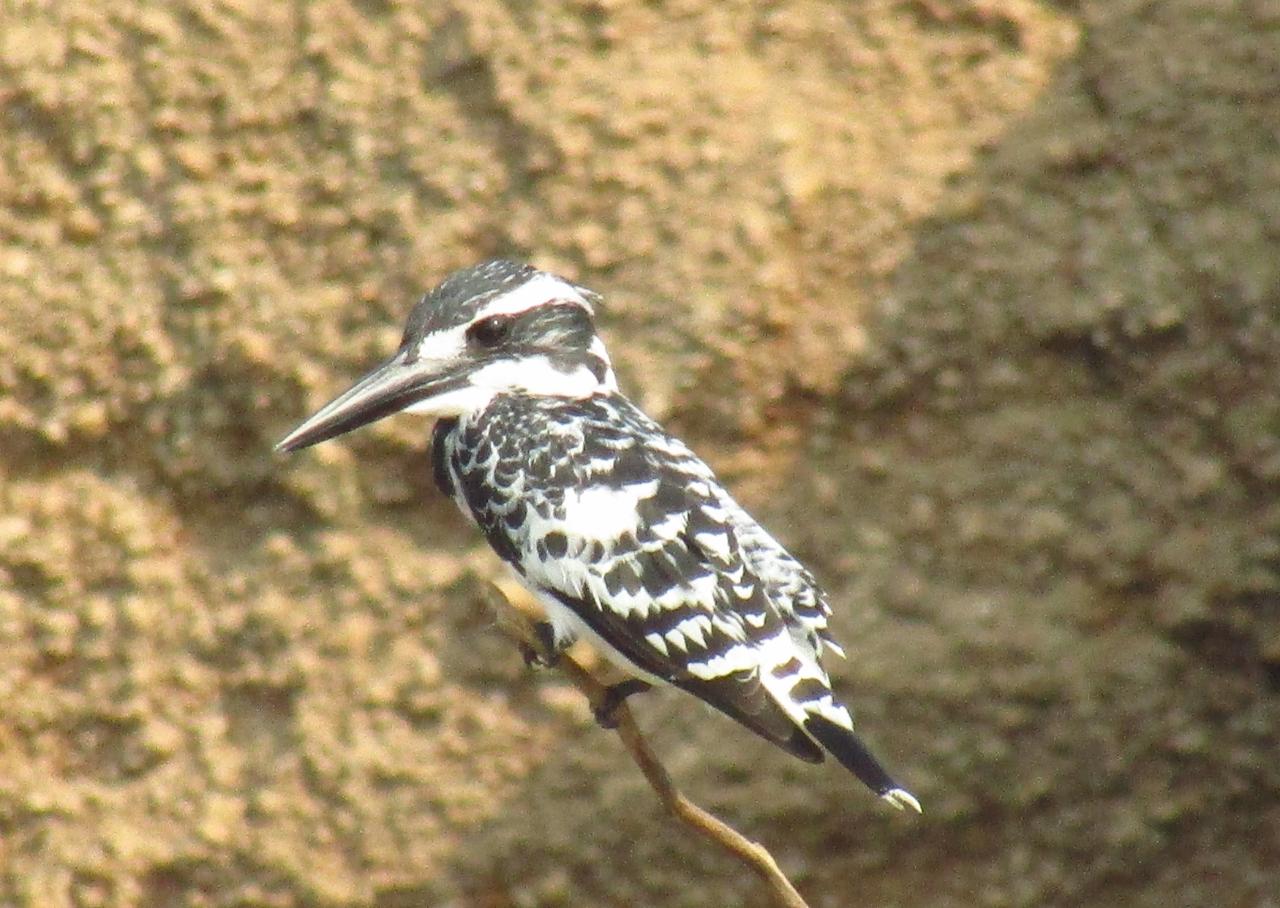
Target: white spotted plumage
621 532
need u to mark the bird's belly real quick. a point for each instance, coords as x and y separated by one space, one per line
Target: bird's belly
568 626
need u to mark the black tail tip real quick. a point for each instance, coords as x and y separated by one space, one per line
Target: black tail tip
845 746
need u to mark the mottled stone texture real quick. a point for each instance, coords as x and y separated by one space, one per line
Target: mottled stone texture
974 302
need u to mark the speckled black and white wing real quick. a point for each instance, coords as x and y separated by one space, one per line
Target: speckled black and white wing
788 584
627 537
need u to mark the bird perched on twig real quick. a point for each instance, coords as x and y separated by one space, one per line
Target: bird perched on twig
623 534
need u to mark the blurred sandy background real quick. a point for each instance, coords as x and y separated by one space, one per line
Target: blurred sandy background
975 302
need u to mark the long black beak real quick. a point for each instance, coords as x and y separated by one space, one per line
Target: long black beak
387 389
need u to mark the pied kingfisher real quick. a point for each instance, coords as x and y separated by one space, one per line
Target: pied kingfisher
621 533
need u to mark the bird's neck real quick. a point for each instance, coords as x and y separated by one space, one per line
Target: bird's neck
574 376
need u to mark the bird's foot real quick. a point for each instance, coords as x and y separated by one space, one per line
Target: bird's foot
606 709
547 652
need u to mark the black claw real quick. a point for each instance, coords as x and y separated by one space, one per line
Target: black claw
606 710
546 653
532 658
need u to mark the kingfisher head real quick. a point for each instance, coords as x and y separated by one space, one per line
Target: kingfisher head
491 329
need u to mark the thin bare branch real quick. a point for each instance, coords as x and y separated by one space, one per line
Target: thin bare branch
519 627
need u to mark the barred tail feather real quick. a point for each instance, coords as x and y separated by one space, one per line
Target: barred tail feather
845 746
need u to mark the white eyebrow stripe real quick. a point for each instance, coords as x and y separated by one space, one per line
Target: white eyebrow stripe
451 343
539 290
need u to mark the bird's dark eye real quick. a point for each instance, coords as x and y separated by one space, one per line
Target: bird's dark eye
489 332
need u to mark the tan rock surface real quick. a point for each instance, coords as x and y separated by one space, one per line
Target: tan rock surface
973 301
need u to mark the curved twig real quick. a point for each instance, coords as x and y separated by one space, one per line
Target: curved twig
519 627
